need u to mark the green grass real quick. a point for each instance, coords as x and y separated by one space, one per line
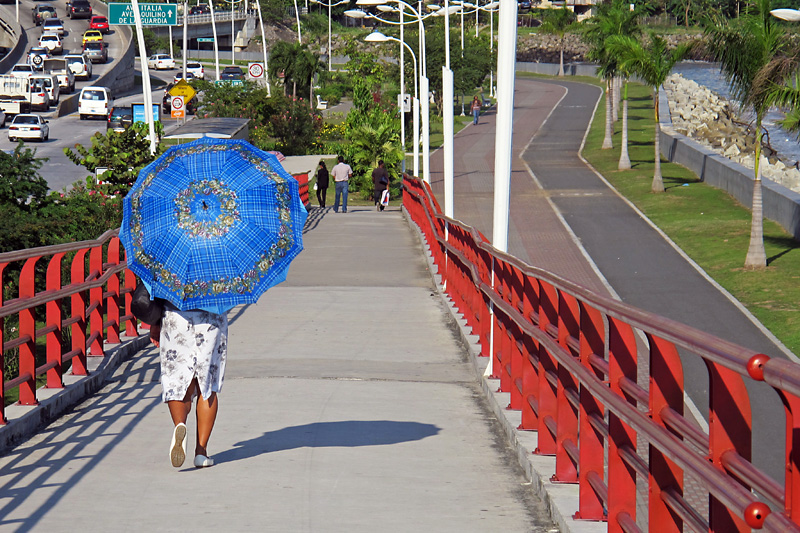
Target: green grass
707 223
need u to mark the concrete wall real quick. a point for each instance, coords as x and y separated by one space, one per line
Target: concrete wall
551 69
120 78
780 204
12 32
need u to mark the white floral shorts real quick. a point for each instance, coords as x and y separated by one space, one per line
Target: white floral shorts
194 344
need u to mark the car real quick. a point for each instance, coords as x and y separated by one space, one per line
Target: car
53 25
52 42
524 4
200 9
161 61
166 102
50 83
196 69
79 9
22 70
120 118
28 126
232 73
40 99
97 52
2 118
99 23
80 65
92 35
95 101
37 55
179 76
42 12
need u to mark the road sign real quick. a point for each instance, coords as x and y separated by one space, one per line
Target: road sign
183 89
152 14
138 112
178 108
255 71
205 39
404 103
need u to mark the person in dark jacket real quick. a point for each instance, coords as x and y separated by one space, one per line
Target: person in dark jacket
322 183
380 183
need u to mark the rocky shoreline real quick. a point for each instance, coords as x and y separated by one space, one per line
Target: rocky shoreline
704 117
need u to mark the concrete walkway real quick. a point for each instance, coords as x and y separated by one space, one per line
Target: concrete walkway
349 406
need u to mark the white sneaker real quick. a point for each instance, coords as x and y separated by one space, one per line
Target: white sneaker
177 448
201 461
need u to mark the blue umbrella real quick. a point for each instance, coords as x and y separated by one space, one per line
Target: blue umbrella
212 224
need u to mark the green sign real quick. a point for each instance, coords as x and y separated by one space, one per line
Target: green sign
228 82
152 14
205 39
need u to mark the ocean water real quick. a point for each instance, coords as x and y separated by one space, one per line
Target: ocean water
708 74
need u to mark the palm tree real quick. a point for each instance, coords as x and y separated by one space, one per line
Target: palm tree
624 158
745 49
652 63
613 18
297 64
558 22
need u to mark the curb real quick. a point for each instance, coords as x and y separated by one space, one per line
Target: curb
561 499
25 421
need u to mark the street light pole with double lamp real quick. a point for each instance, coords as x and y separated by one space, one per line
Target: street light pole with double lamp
330 8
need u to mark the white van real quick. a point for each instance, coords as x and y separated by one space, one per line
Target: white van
50 83
95 102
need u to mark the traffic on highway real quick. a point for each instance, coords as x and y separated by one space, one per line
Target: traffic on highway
70 48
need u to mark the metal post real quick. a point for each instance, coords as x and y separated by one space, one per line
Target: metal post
146 90
264 47
214 29
233 34
426 129
447 118
402 87
297 17
330 53
185 36
506 65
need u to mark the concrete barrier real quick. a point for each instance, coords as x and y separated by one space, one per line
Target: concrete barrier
121 76
16 53
551 69
780 204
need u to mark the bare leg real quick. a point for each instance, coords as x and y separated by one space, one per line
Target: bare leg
179 409
206 416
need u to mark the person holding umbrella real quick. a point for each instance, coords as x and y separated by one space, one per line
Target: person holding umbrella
209 225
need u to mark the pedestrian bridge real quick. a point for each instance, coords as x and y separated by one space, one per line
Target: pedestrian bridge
407 375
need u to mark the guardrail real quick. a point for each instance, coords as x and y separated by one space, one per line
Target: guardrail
54 325
570 360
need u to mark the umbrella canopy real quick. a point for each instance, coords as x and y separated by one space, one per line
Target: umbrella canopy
212 224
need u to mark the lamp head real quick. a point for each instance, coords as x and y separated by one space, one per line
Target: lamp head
370 2
792 15
493 5
433 7
376 37
387 9
355 14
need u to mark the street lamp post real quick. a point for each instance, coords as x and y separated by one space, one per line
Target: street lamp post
330 16
264 47
216 42
378 37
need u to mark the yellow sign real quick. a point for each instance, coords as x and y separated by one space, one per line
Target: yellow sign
183 89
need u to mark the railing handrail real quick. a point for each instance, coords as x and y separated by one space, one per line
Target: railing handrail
488 305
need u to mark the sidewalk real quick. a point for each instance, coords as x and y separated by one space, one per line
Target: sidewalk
349 406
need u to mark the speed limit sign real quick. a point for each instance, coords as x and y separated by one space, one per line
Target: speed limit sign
255 71
177 104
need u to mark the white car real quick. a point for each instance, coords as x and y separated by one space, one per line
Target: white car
161 61
22 70
28 126
50 84
95 101
80 65
53 26
179 76
52 42
40 99
196 69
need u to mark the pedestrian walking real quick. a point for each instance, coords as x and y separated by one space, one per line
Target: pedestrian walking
380 183
322 183
197 198
476 109
341 179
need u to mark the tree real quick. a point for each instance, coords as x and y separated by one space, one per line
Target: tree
743 48
370 142
20 182
652 63
614 18
122 153
558 22
297 65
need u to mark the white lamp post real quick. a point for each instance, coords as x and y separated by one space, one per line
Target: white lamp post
378 37
214 30
330 8
146 90
264 47
297 17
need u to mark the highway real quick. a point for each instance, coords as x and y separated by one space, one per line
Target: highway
69 130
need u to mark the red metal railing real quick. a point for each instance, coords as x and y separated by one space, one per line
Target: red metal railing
71 319
302 181
570 360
